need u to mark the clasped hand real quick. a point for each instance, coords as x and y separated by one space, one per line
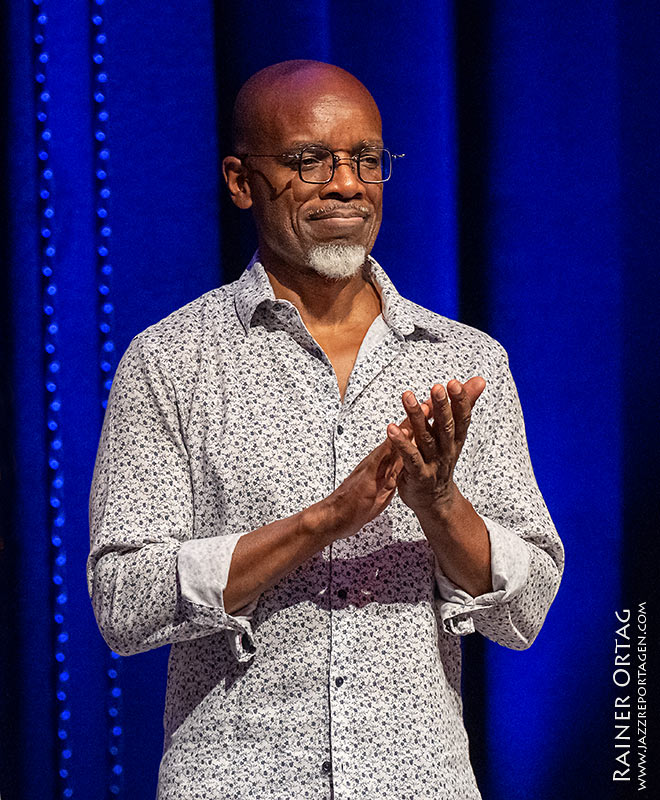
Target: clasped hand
429 450
418 458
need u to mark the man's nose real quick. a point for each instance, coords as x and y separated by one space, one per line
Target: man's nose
345 180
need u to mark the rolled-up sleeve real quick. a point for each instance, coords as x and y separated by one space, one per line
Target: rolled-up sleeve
141 514
203 569
527 557
509 567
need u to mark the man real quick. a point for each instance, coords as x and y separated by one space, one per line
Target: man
315 607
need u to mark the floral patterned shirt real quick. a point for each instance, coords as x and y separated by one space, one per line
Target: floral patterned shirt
343 680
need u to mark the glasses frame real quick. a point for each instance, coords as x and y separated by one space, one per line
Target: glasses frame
335 160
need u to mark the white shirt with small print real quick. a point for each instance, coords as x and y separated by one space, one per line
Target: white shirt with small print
342 681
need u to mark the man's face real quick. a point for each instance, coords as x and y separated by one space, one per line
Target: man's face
292 216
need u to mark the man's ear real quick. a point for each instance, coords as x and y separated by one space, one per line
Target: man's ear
236 178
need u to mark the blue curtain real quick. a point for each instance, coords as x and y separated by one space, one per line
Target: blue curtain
526 205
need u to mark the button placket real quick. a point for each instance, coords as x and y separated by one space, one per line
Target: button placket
339 683
341 694
339 448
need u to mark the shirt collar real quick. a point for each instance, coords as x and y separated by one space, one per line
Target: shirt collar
254 289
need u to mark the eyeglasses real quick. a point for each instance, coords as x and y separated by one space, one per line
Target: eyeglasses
317 164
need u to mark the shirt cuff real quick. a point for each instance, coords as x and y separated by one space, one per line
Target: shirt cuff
509 568
203 571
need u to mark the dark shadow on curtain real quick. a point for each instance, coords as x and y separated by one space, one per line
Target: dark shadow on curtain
473 35
472 32
237 233
640 176
9 641
244 44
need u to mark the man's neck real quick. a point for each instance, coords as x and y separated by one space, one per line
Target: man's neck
325 303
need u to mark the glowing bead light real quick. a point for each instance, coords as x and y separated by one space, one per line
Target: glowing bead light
107 353
51 371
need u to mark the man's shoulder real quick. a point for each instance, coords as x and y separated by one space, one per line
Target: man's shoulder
421 324
452 333
189 325
177 342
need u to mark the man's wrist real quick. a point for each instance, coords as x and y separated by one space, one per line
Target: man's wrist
459 539
447 514
318 523
443 506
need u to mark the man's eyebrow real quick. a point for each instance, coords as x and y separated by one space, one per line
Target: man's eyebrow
299 145
294 147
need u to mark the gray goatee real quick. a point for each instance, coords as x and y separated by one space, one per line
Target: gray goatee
336 260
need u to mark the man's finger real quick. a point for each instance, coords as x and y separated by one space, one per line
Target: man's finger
411 457
385 447
388 466
473 388
424 438
392 473
427 408
461 409
443 419
463 397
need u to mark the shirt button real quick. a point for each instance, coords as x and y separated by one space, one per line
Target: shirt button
342 593
340 429
326 766
339 681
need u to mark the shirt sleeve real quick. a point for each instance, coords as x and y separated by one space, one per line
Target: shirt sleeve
203 570
527 557
509 567
141 513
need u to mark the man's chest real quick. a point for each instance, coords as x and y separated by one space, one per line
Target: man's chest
268 432
341 350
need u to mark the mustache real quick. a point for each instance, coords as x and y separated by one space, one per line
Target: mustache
363 211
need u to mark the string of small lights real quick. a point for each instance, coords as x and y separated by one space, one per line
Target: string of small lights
107 357
50 329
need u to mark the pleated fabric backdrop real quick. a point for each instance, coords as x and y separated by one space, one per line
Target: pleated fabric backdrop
526 206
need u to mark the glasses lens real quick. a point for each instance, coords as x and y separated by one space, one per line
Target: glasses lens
315 165
374 165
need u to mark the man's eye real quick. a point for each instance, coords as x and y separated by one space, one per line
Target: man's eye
311 157
370 160
308 161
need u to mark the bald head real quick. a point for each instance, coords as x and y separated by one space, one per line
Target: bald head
281 112
286 85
